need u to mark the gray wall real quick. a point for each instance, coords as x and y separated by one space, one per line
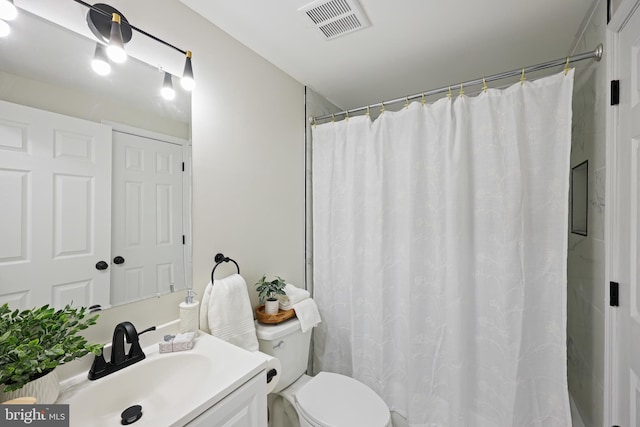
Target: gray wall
586 255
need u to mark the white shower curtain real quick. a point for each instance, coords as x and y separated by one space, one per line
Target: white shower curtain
440 244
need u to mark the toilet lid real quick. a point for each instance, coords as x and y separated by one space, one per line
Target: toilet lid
334 400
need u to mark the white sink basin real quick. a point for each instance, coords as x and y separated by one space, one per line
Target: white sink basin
172 388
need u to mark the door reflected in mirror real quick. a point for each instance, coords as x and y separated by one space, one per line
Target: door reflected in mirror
91 174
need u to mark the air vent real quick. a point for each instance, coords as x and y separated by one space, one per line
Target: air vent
335 18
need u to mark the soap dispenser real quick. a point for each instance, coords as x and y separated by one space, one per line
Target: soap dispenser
189 313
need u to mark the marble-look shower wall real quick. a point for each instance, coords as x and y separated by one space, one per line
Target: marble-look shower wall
586 254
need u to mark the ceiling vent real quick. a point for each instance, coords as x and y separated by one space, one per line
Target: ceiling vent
336 18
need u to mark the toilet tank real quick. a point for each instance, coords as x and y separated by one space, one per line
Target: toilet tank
287 342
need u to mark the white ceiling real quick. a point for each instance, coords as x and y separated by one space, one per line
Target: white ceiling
411 46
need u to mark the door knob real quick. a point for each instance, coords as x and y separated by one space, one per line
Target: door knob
118 260
101 265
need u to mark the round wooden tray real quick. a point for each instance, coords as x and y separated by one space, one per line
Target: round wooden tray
280 316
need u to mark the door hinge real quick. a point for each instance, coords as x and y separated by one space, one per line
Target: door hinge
615 92
614 296
184 240
182 166
609 20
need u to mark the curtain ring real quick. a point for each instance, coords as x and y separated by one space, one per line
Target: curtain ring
522 77
484 84
382 108
315 123
422 100
346 115
461 90
566 67
449 94
406 102
333 118
368 112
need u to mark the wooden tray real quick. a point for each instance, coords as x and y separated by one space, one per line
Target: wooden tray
280 316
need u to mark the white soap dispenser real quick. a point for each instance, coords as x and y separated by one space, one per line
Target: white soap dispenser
189 313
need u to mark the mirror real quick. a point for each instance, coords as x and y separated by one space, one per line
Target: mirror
48 67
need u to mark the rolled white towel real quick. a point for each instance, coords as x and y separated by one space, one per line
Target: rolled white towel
293 296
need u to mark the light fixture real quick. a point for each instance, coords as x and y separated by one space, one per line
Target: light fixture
167 91
4 29
8 10
113 30
100 63
187 75
116 50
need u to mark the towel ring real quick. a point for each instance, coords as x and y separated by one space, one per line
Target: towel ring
219 259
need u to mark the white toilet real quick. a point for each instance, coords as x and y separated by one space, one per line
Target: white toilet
326 400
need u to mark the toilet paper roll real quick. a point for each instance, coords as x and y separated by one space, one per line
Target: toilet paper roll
273 370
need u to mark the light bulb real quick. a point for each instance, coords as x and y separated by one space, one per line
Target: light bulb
5 29
116 50
187 81
8 10
100 64
116 54
167 91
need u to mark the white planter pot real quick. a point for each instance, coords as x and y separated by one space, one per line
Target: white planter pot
271 306
45 389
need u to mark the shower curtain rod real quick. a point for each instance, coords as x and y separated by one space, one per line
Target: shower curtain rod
596 53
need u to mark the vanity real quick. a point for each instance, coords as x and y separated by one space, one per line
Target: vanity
214 384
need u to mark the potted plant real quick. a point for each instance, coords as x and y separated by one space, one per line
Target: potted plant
33 342
267 291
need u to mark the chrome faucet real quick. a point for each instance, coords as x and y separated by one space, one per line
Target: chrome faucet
123 331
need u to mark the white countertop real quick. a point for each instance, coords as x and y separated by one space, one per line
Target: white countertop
227 368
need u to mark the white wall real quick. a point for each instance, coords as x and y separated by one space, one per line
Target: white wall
315 106
248 160
586 257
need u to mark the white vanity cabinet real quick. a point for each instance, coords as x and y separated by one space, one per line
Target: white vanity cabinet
215 384
245 407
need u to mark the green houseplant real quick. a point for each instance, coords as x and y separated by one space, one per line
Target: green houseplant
267 292
33 342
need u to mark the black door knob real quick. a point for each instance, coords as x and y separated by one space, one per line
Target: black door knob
101 265
118 260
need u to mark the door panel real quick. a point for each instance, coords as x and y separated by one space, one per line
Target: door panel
147 217
626 238
55 183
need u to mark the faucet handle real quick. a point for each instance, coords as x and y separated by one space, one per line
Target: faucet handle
136 350
98 367
152 328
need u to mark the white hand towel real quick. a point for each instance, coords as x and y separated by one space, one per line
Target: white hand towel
293 296
229 314
204 309
307 313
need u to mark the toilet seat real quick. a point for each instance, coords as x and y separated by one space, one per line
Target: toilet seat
334 400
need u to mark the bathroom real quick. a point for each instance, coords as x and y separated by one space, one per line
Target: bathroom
250 198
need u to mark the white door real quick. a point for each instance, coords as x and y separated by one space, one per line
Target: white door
55 220
625 266
147 218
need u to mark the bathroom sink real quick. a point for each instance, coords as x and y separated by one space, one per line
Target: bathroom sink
171 388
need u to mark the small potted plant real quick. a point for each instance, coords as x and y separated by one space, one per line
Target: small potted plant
33 342
267 291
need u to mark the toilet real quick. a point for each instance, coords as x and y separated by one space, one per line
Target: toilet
326 400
